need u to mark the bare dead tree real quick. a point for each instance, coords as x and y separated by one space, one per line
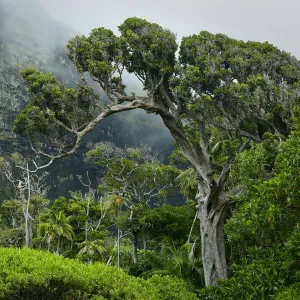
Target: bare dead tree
25 182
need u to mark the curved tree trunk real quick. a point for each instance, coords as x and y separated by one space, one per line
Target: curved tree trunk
211 206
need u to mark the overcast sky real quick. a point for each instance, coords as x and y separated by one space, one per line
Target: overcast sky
276 21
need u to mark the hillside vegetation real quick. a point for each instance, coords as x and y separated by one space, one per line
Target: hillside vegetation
37 275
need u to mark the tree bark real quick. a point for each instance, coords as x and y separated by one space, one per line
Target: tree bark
144 244
58 242
49 242
119 246
211 206
212 219
28 232
135 247
27 217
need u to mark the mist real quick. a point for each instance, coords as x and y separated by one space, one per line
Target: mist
29 24
33 34
30 37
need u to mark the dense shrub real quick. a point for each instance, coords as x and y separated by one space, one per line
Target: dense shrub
261 275
36 275
170 288
292 293
28 274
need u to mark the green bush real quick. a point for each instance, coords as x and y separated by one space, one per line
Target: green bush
292 293
170 288
259 276
30 274
36 275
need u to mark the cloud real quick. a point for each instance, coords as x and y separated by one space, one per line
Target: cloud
31 34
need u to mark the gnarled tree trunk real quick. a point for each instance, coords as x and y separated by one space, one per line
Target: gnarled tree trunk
211 207
212 241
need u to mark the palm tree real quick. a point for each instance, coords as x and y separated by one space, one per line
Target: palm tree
188 183
57 227
183 261
92 248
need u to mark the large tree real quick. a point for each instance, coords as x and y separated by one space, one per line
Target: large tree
216 93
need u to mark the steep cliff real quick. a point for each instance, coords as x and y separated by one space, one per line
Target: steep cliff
30 38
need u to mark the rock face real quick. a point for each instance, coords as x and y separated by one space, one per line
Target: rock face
30 38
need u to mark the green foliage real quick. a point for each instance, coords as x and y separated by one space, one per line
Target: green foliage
148 49
256 163
266 216
60 204
52 103
60 225
291 293
183 261
166 230
38 275
134 174
169 221
91 249
268 209
98 54
57 228
188 183
292 248
12 237
170 288
29 274
244 86
11 213
259 276
90 221
177 158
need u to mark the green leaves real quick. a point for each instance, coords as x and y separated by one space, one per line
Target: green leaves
148 49
37 275
170 288
188 183
259 276
234 84
144 48
98 54
52 104
58 226
266 215
32 120
135 171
